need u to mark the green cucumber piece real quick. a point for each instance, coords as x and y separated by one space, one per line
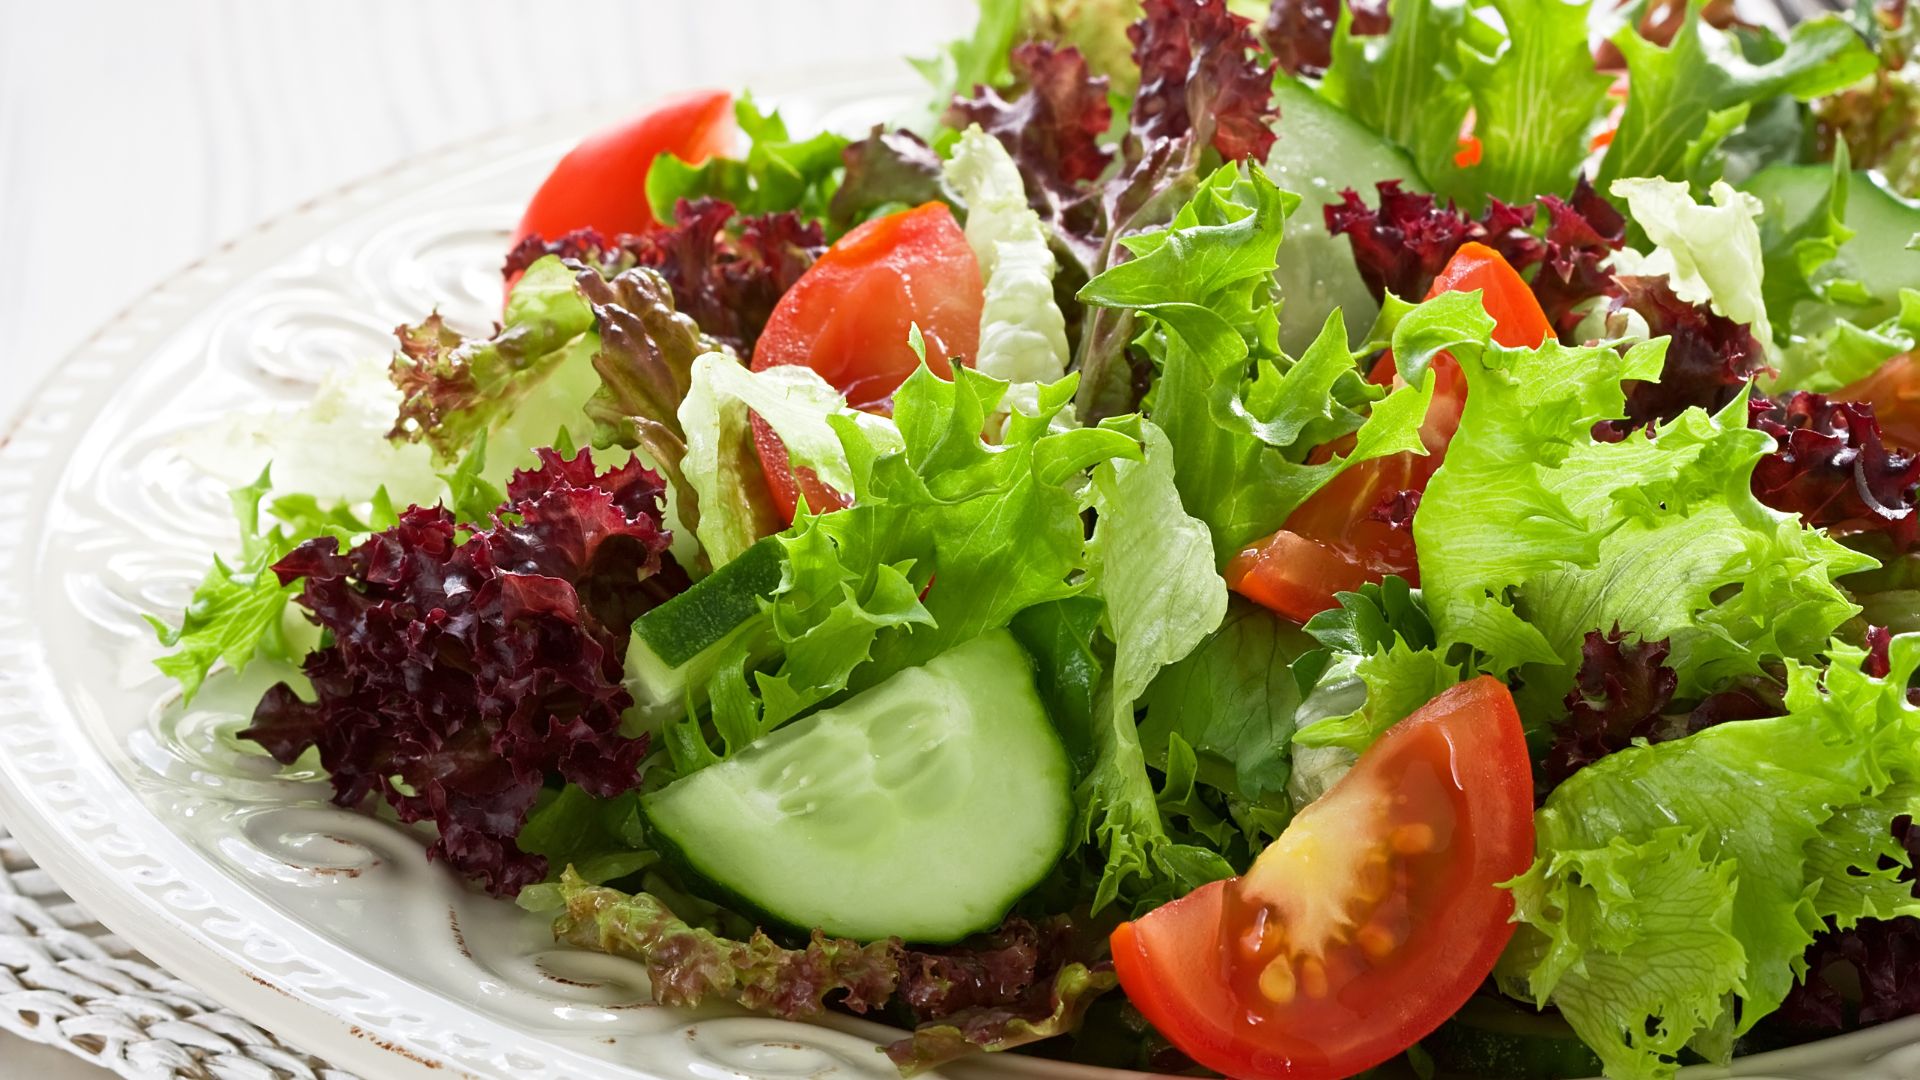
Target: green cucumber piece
1492 1039
1319 152
679 644
920 809
1883 225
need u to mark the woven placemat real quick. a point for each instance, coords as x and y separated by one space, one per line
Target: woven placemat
69 982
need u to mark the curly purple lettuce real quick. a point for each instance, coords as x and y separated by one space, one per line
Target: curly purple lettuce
468 666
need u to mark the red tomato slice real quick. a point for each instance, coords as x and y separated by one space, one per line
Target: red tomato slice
1469 153
1894 393
849 315
602 183
1368 922
1518 322
1333 543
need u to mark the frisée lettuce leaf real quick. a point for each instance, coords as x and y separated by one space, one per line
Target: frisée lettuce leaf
239 610
1240 444
1678 885
948 536
1533 533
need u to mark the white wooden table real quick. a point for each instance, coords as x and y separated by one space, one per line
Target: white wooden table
136 136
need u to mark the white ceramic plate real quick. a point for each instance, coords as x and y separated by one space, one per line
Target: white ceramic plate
325 925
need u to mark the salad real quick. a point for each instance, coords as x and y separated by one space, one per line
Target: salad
1275 541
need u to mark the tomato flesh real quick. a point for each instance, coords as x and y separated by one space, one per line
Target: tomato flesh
1469 153
1336 540
602 183
1894 392
1368 922
849 316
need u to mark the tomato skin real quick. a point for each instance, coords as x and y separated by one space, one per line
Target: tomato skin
1332 542
849 315
1894 392
785 483
1518 321
1469 153
1294 576
1178 962
602 183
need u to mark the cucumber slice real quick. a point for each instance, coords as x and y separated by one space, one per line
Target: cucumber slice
679 644
1883 224
1321 151
920 809
1491 1039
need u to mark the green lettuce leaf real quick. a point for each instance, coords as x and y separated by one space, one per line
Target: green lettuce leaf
1630 933
521 385
239 612
334 448
1381 637
1153 565
778 172
1532 533
1232 701
720 465
470 495
1676 879
1678 89
1535 103
1399 679
977 60
1844 353
1068 668
1373 618
1023 336
949 536
1796 252
1409 84
1240 444
600 840
1709 254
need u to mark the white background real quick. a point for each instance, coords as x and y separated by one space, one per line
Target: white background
137 136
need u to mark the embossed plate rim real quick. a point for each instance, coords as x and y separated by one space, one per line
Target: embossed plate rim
71 808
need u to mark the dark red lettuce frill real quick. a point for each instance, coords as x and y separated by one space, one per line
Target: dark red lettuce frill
467 669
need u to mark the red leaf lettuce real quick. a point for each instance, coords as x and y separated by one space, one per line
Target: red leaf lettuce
1623 693
1299 33
469 667
726 271
1018 984
1833 469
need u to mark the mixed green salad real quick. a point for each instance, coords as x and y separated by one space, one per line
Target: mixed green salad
1274 540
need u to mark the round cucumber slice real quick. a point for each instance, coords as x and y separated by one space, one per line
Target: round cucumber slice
920 809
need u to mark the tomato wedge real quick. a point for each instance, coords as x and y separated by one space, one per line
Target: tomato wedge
602 183
1336 541
1368 922
1894 392
849 316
